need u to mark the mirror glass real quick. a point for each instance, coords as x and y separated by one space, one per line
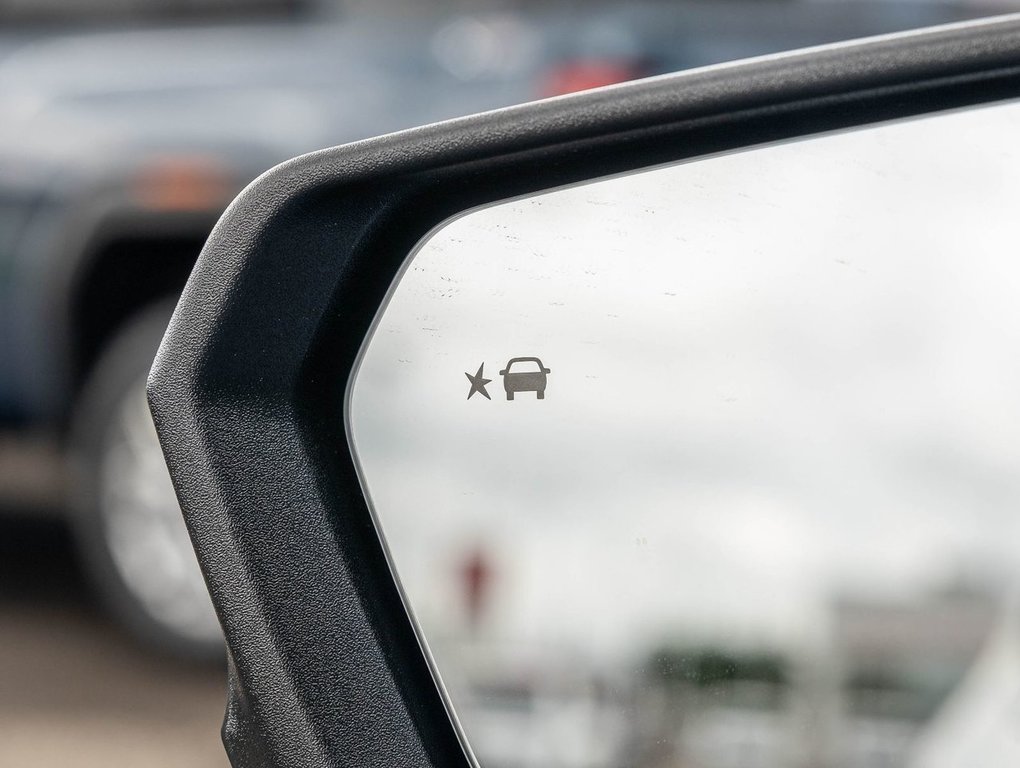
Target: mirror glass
716 464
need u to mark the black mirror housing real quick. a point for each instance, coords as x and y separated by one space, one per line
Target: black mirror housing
248 391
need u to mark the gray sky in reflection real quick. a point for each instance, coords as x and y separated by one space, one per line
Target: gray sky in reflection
776 376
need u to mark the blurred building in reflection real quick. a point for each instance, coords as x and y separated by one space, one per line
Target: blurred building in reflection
530 707
719 707
874 697
899 664
896 682
976 724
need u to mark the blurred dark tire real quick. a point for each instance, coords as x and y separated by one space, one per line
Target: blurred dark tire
126 519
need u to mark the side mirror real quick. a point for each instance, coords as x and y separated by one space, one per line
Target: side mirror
252 389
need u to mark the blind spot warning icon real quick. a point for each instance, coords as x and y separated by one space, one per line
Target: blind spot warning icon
525 374
478 382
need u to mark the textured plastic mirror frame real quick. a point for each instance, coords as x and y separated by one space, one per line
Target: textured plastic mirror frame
248 389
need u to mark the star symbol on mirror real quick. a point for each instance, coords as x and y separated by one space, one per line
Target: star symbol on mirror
478 382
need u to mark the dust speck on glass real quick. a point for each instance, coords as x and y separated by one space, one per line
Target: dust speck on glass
733 476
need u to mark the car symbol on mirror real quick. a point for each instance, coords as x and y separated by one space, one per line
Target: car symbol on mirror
524 374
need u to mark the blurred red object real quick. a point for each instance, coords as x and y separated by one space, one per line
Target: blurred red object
584 74
476 574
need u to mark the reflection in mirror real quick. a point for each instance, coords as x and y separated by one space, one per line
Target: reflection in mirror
716 464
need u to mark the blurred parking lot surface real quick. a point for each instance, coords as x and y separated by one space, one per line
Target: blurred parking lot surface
74 689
